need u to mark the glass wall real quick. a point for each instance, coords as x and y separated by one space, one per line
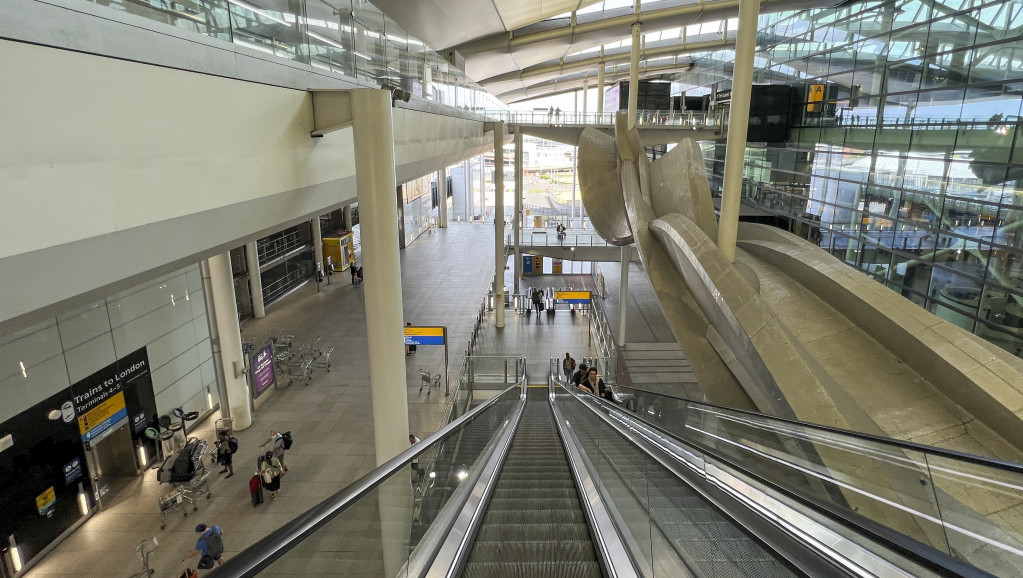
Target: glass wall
905 164
347 37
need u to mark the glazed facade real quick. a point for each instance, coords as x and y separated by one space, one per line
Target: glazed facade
910 166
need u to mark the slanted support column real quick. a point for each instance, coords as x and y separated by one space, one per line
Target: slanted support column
226 339
378 214
517 222
317 243
623 294
637 36
442 198
255 281
499 256
738 121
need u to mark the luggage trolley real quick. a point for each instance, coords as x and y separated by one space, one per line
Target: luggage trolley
186 493
428 381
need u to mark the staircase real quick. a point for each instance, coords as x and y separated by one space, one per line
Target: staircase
661 368
534 525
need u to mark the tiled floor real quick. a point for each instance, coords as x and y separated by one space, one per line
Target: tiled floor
445 276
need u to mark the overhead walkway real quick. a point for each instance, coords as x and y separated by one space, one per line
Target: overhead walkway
656 127
555 482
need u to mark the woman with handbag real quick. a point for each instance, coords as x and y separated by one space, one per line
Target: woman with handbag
271 473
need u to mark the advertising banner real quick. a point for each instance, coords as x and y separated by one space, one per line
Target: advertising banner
262 364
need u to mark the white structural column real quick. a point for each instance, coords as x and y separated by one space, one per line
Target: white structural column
637 30
738 121
346 216
255 281
499 256
317 242
586 89
600 85
226 340
517 221
623 294
442 198
378 214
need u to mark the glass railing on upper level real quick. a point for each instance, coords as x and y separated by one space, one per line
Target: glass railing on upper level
381 524
549 237
694 119
966 506
346 37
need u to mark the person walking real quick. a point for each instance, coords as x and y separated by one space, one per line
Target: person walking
271 473
413 440
210 546
568 365
225 453
277 447
537 301
557 116
550 115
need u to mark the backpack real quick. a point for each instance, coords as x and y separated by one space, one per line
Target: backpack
568 364
288 440
232 443
214 545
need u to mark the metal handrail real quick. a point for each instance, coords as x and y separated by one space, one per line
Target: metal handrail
901 444
670 443
257 557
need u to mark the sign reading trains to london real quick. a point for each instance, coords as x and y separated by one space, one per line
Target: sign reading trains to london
98 400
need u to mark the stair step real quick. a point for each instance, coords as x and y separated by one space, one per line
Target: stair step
586 569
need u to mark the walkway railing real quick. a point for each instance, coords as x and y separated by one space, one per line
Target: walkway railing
543 237
694 119
951 501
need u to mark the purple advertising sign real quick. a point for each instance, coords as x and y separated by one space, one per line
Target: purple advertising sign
262 370
612 98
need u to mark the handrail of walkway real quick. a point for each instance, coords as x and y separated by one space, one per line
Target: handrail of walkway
998 124
689 118
259 556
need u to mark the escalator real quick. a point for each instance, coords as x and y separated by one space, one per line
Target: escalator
551 483
534 524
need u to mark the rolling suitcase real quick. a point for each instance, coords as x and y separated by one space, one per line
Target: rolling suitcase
256 490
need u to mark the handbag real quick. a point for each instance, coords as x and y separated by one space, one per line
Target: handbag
267 477
206 562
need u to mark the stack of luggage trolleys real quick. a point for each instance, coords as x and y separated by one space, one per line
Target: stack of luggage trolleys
188 475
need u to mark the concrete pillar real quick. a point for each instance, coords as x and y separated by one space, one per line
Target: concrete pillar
517 223
378 215
346 216
577 211
442 198
738 121
499 258
467 200
483 186
226 340
255 282
637 29
600 85
317 243
623 294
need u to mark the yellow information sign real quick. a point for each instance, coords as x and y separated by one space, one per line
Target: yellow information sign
580 297
424 335
46 500
816 95
101 417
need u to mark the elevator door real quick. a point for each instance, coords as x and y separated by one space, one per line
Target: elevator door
113 460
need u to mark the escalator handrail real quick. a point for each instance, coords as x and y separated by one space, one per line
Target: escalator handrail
898 542
254 559
994 463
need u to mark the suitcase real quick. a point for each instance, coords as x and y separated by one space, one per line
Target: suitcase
166 472
256 490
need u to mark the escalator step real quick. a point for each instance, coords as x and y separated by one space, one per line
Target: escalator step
551 505
544 531
533 551
503 517
540 493
533 570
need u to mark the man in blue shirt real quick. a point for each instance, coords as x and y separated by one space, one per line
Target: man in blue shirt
209 544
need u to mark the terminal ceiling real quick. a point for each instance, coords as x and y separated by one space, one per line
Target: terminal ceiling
524 49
